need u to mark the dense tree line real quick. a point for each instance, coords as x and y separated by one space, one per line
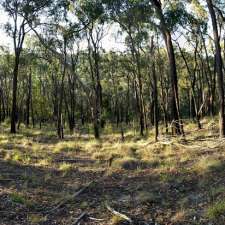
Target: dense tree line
59 72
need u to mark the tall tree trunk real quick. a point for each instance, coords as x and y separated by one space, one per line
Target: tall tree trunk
177 126
29 99
156 110
60 113
14 100
219 68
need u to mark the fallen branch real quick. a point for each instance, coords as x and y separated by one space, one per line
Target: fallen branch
82 215
119 214
64 201
95 219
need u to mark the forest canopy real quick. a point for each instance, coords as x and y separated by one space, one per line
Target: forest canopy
58 71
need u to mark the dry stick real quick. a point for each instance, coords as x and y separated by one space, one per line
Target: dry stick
82 215
95 219
118 214
64 201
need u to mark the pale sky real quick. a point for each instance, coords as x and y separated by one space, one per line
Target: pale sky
111 40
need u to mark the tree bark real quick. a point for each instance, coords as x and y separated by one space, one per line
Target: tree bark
14 100
219 68
177 124
29 98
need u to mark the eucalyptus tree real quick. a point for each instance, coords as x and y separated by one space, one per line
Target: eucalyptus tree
6 64
219 66
92 13
131 18
150 12
169 17
94 35
21 14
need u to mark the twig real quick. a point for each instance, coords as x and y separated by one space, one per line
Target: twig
119 214
82 215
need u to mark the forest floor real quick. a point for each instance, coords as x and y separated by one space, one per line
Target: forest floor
47 181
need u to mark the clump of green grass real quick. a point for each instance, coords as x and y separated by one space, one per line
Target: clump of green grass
36 218
21 198
208 164
17 156
216 211
17 198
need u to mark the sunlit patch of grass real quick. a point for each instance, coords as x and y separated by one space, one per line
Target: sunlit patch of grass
208 164
44 162
17 156
190 126
216 210
65 167
117 220
93 145
101 156
185 157
3 138
169 164
66 147
36 218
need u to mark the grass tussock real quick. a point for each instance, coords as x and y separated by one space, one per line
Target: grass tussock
65 167
217 210
21 199
36 219
208 164
66 147
128 163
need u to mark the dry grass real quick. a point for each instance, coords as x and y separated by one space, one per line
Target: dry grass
172 165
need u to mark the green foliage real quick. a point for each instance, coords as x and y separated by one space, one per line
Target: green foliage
17 198
216 210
